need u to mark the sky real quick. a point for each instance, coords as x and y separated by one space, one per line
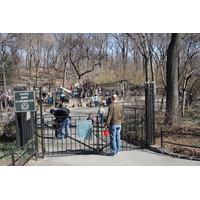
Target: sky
110 16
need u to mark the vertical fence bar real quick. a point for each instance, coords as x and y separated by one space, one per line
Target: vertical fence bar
146 114
13 156
161 138
70 134
57 144
36 136
52 133
32 131
75 133
152 114
47 137
127 124
131 132
135 130
143 129
41 123
97 132
93 138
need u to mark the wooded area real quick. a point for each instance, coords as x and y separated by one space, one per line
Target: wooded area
171 61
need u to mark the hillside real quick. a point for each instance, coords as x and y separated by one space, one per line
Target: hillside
22 76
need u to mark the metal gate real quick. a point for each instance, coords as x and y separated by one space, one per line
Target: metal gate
132 135
137 131
72 144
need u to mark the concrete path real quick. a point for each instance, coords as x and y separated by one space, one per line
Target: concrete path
126 158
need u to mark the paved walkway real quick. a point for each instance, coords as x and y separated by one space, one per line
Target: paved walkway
126 158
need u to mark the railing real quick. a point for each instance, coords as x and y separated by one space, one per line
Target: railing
132 135
20 156
181 139
52 145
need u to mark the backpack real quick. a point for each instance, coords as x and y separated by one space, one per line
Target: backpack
64 111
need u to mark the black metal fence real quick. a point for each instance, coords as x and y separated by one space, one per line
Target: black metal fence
137 131
71 144
133 129
20 156
180 139
132 135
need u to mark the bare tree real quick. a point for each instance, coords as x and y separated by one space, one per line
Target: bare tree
123 44
85 54
160 58
190 68
63 41
6 41
144 43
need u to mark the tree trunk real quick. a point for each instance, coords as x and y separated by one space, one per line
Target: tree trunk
30 61
36 79
4 77
64 73
171 114
153 77
146 67
184 96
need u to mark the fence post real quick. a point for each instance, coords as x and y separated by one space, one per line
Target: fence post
152 114
97 124
41 123
149 107
147 113
13 156
161 137
36 137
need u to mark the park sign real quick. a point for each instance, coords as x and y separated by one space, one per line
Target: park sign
84 129
24 101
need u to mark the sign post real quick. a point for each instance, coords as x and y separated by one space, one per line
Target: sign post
24 102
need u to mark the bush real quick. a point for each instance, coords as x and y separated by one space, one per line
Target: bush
9 132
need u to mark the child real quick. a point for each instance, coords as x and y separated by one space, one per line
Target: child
90 118
101 113
95 100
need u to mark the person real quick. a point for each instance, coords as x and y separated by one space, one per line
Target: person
85 94
180 94
9 92
63 119
3 100
50 99
190 98
62 97
90 117
101 113
108 101
114 121
95 100
72 94
56 122
99 90
58 92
